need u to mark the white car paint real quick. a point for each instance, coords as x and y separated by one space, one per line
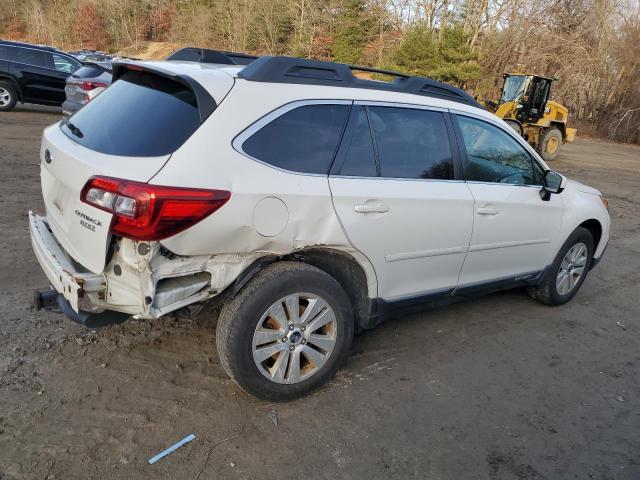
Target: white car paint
409 236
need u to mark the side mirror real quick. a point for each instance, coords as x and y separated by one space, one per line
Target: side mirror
551 183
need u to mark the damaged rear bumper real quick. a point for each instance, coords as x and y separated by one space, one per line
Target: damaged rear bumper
141 279
80 288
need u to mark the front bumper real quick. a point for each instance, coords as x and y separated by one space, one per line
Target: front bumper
78 286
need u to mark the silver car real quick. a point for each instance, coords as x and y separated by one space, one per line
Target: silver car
85 84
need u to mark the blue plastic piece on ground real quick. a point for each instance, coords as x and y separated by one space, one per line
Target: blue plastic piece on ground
172 448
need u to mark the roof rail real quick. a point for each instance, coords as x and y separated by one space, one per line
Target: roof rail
205 55
314 72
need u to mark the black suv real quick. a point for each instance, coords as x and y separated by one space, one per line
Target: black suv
32 73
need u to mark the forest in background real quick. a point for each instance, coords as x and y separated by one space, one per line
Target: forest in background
591 47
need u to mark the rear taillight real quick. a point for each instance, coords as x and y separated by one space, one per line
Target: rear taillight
150 212
85 85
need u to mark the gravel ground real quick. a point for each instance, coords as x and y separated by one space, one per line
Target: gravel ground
496 388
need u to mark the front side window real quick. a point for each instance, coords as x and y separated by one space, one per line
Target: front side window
303 140
63 64
494 156
412 143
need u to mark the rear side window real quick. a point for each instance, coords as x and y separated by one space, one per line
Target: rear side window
28 56
301 140
140 115
412 143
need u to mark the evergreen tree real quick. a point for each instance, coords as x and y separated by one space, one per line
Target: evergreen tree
450 60
353 32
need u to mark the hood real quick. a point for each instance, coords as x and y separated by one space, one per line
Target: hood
581 187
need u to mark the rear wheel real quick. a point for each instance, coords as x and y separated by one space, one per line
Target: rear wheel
286 332
550 144
8 97
568 271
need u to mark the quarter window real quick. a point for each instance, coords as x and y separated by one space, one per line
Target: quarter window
494 156
301 140
412 143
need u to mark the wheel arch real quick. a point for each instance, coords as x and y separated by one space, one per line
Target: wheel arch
342 266
595 227
14 83
560 126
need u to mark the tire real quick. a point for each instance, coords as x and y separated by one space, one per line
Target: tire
550 144
515 126
8 97
243 348
549 291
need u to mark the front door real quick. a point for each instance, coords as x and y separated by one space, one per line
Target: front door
398 199
514 229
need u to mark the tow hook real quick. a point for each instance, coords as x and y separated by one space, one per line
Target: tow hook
50 299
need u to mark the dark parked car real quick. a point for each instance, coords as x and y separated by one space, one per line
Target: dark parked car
90 55
33 73
85 84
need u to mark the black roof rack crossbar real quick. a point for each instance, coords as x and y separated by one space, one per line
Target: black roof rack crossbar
314 72
205 55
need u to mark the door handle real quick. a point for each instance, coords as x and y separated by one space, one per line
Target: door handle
371 208
487 211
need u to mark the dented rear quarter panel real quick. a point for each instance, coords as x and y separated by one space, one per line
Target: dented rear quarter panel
242 226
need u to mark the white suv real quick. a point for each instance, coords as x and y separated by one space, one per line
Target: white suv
309 202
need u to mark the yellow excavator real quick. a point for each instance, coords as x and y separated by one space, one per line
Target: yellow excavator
524 104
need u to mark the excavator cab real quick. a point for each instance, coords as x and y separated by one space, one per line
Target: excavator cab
524 104
529 92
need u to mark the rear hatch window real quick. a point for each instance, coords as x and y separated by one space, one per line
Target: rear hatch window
140 115
90 71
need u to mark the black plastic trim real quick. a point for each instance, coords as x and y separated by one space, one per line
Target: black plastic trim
313 72
91 320
441 298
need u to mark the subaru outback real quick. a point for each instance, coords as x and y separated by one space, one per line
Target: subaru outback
310 203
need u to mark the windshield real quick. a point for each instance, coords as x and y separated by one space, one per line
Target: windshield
140 115
514 88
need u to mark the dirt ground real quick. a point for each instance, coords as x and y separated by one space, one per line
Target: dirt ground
497 388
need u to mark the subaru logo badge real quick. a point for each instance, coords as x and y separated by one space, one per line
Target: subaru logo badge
47 156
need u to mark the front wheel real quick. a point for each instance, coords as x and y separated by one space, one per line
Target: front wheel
286 332
568 271
8 97
550 144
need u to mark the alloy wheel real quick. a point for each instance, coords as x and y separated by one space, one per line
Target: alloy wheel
571 269
5 97
294 338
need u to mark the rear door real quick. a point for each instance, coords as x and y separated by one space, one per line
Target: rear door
128 132
38 79
396 190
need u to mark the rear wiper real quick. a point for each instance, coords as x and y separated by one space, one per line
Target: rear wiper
75 130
